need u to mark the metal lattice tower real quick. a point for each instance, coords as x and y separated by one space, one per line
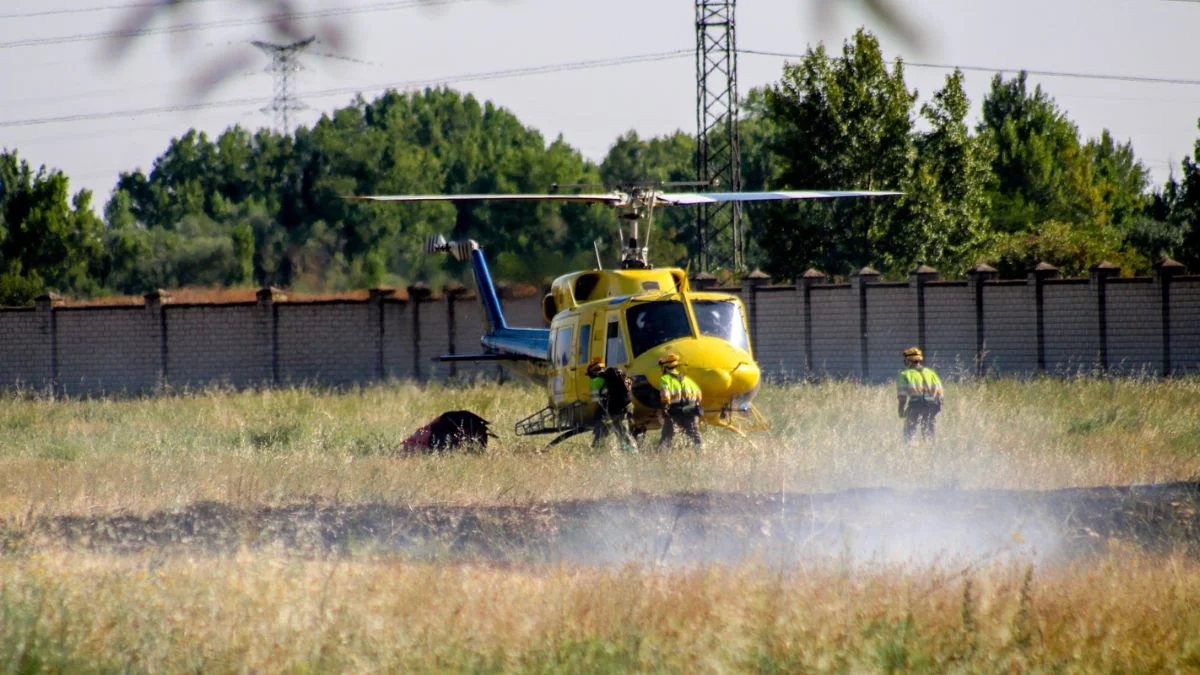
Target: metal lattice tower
284 62
718 155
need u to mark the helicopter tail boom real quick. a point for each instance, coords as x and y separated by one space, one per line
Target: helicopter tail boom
502 342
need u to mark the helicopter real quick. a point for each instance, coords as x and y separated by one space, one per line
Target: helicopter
628 316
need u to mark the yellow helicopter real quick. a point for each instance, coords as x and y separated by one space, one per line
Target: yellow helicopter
629 316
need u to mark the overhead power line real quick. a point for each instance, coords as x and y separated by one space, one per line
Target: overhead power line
992 69
409 84
227 23
516 72
96 8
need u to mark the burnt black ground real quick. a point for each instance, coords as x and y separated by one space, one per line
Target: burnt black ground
864 525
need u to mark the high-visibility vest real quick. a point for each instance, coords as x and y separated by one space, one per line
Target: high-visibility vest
919 384
675 389
597 389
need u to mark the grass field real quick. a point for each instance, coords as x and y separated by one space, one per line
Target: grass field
69 606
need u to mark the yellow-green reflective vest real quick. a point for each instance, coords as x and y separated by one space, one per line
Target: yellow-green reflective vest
919 385
675 389
597 388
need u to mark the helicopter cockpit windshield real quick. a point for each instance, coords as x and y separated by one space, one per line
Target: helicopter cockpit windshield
653 323
721 319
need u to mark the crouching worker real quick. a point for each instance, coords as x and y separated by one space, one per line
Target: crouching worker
681 397
612 392
919 393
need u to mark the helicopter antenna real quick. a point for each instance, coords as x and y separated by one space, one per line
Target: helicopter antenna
649 226
596 246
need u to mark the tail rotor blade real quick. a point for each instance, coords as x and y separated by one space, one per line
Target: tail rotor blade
436 243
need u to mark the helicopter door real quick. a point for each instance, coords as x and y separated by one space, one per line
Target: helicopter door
564 360
599 337
615 353
582 381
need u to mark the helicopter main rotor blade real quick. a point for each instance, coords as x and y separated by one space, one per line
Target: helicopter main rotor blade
685 198
611 199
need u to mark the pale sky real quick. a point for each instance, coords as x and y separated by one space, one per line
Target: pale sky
126 111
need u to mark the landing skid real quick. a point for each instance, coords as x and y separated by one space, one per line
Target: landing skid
740 422
570 433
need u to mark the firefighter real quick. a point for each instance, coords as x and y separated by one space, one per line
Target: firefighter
680 398
919 395
613 396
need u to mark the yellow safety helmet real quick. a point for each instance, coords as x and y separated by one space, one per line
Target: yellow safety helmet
914 354
669 361
595 367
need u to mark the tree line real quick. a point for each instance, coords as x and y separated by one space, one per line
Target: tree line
1018 187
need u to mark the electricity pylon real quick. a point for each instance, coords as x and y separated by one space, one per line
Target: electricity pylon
718 150
284 62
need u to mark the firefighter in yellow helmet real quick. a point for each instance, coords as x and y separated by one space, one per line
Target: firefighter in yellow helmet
680 397
612 393
919 393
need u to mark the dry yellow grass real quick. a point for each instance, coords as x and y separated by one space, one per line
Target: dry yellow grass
262 613
272 447
70 610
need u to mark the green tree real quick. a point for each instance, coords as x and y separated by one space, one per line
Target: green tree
46 238
1055 199
838 123
944 212
1180 199
1039 169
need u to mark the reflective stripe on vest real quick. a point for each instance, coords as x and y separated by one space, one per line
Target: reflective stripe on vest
923 384
675 389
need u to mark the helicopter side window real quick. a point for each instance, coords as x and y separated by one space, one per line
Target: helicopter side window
653 323
614 346
721 319
585 338
562 346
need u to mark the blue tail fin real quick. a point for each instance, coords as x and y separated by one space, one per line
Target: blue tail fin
487 292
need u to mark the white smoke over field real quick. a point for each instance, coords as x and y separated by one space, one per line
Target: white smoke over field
854 528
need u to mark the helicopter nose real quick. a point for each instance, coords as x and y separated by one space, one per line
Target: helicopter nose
744 378
713 379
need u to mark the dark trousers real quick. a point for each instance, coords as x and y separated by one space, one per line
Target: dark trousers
921 415
617 425
686 418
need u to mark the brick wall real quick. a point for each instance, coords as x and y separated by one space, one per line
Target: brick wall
219 344
97 350
891 328
107 350
333 343
1010 328
1185 325
1134 325
469 324
25 348
950 327
835 334
398 348
1072 327
778 339
523 311
435 339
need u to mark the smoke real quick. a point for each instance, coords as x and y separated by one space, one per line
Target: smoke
854 527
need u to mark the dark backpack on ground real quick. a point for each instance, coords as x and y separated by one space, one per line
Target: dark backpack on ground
620 390
450 431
